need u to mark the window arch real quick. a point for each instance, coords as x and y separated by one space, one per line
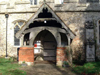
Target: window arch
17 26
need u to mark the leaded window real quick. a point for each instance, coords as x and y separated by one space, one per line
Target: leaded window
17 27
33 2
16 41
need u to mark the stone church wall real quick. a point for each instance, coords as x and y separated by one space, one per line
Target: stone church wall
70 13
2 34
76 22
11 49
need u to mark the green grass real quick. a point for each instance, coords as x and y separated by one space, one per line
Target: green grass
88 68
8 68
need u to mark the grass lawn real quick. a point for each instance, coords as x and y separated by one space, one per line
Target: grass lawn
7 67
88 68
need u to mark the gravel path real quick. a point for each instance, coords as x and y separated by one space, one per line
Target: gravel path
47 69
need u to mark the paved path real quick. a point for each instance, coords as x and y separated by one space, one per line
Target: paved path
47 69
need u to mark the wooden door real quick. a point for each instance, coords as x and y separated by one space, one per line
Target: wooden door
49 52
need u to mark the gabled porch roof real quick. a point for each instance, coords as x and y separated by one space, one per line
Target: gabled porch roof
20 32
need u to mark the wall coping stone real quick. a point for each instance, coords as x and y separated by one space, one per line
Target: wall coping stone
22 2
47 2
34 6
58 5
3 3
10 7
26 48
73 1
81 5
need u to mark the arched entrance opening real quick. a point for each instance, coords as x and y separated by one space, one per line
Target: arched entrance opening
64 40
26 39
46 47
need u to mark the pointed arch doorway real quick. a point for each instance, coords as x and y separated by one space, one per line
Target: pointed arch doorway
48 46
